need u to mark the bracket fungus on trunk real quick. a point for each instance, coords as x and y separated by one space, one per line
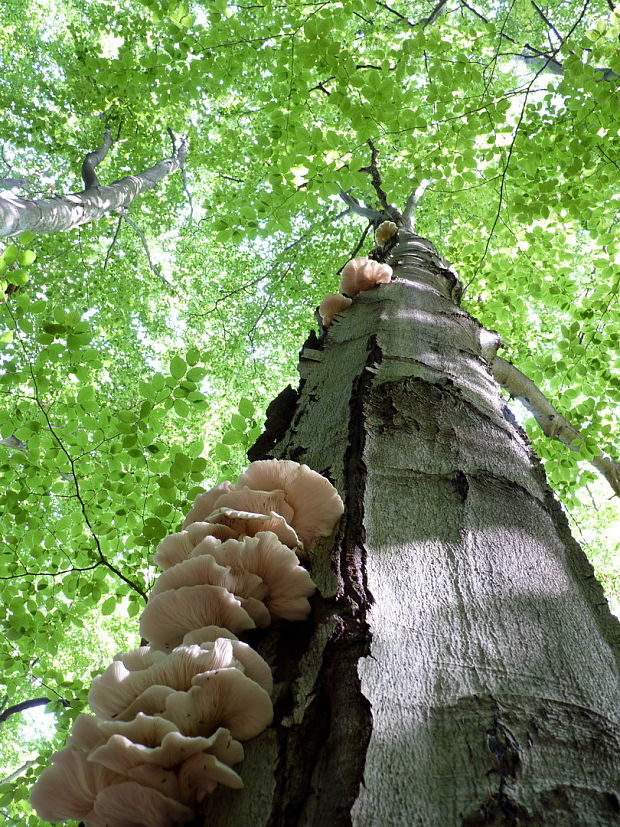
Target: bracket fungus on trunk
384 232
170 716
363 273
331 305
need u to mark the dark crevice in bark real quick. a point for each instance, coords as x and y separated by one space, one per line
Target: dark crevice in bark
279 414
352 574
499 811
322 757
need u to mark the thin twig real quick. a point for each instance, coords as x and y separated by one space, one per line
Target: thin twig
154 268
547 22
114 240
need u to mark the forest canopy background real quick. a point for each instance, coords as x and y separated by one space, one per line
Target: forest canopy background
139 352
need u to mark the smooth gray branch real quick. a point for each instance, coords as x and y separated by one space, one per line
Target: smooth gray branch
551 422
412 203
357 207
64 212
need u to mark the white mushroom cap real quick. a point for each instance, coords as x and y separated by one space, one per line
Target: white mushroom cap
362 274
288 585
170 615
247 523
331 305
224 698
385 231
85 734
205 569
248 659
178 547
148 740
373 273
131 804
140 658
70 786
244 498
199 775
206 634
152 702
205 503
316 503
118 687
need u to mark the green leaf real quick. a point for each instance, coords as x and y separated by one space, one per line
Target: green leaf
27 257
108 606
246 408
232 437
221 451
181 407
192 356
177 367
196 374
238 422
10 254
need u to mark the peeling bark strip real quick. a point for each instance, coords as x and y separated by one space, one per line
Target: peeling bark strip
64 212
460 666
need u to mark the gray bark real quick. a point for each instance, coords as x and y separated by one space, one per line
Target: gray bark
65 212
461 664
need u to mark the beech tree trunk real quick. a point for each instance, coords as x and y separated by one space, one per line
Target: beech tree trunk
461 663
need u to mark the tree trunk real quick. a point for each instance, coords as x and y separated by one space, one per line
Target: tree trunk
64 212
460 666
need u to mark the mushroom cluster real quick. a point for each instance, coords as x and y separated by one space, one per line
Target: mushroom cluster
363 273
169 716
358 274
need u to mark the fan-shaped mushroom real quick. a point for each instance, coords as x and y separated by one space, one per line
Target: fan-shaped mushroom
287 585
331 305
170 615
384 232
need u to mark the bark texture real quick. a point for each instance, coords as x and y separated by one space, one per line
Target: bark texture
64 212
461 664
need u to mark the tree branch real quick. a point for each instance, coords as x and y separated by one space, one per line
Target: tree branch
375 175
173 138
64 212
19 771
547 22
552 423
374 216
412 203
13 442
24 705
551 64
93 159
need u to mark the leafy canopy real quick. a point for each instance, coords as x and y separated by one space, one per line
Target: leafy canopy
124 387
